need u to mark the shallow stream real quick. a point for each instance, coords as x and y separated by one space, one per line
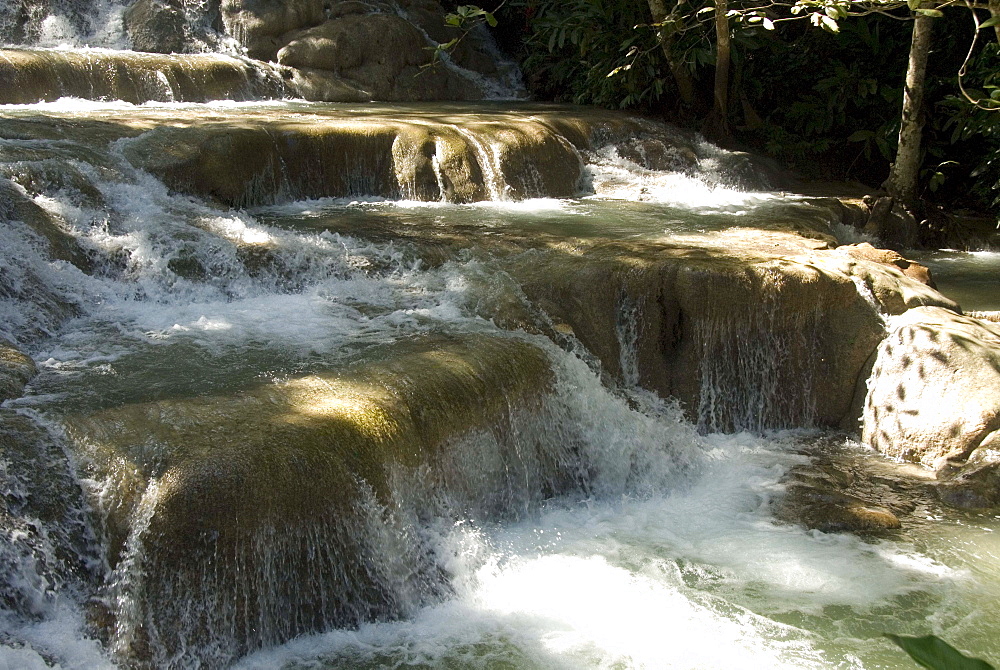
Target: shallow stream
663 552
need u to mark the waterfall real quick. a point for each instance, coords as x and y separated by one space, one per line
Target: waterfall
424 384
71 23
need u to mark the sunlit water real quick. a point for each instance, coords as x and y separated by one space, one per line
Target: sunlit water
675 563
971 278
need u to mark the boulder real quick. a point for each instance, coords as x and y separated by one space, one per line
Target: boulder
832 511
16 370
471 52
382 54
891 223
843 487
259 24
156 25
911 269
934 393
974 484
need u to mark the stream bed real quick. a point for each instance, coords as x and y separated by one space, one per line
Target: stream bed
648 545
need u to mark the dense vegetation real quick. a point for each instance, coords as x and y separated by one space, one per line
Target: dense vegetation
828 103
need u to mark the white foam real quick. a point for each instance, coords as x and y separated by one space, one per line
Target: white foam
696 574
614 177
59 636
102 27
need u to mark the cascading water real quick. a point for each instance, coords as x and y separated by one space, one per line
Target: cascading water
285 418
72 23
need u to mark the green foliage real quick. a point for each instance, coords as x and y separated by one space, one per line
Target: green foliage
968 135
465 15
840 93
465 18
601 52
935 654
825 100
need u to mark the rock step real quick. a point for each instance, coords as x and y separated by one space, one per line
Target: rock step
262 162
266 154
28 76
291 486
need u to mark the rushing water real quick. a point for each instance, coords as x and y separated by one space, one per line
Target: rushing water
663 550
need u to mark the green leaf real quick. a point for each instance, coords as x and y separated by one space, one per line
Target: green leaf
936 13
989 23
768 24
935 654
829 24
914 5
861 136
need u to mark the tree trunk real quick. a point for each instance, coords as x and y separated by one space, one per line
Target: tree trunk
682 77
722 59
903 175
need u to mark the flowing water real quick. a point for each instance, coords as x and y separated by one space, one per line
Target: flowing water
971 278
561 518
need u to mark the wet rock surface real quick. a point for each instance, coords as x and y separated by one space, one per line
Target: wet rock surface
290 474
348 51
911 269
934 393
845 487
16 370
28 76
49 544
156 26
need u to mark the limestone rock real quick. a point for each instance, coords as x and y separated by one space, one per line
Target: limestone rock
322 85
259 24
750 329
654 154
262 162
846 488
298 476
934 393
48 542
381 54
911 269
985 316
890 286
156 25
889 221
16 370
17 205
834 512
32 75
974 484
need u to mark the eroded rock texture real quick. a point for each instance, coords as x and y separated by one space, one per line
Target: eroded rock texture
934 398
